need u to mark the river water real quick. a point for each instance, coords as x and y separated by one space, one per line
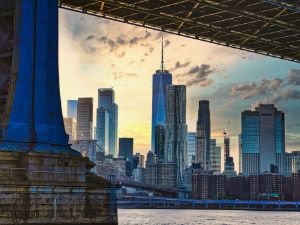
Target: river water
207 217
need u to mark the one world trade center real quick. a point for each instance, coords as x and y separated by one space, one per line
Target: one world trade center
161 79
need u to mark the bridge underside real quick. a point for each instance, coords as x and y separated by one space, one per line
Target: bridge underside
268 27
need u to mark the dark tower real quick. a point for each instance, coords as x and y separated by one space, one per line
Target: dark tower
203 136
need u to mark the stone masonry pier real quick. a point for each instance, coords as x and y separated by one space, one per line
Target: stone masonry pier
41 188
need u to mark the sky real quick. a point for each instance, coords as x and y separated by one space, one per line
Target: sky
98 53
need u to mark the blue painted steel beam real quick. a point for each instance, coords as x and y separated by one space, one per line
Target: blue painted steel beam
34 121
294 6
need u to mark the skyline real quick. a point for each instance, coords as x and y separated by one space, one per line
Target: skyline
127 61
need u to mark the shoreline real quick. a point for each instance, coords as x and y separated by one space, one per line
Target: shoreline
219 209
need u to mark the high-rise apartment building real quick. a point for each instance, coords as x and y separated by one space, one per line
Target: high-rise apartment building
72 109
263 140
176 129
215 156
203 136
85 119
161 79
107 130
126 148
191 147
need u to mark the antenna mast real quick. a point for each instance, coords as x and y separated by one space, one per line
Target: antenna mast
162 52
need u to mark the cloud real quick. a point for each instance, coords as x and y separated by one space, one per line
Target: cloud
167 43
160 34
119 75
93 43
179 65
121 55
276 97
151 49
137 40
249 90
108 41
198 75
294 77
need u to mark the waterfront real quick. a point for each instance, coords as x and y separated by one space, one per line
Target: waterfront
207 217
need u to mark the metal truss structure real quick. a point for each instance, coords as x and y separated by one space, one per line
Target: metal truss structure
268 27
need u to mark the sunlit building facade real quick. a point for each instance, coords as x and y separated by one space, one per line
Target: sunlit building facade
85 119
70 127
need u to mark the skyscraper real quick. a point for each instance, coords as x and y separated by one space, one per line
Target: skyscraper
191 147
228 160
176 129
215 154
72 109
226 149
160 139
107 107
102 130
126 148
263 140
70 127
203 136
85 119
160 80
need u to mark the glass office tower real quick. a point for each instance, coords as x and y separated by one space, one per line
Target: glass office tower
191 147
161 79
203 136
107 108
263 140
72 109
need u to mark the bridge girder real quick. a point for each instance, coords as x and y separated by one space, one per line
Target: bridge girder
268 27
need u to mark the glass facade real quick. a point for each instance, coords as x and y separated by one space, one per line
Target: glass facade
191 147
126 148
250 132
102 130
263 140
106 102
72 109
279 133
161 79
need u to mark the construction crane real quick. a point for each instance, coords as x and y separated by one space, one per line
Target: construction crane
225 130
226 144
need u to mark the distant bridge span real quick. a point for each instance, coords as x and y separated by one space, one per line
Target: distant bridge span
267 27
166 191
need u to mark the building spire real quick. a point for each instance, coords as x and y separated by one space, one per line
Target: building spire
162 52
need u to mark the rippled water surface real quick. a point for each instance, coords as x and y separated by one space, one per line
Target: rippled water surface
207 217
